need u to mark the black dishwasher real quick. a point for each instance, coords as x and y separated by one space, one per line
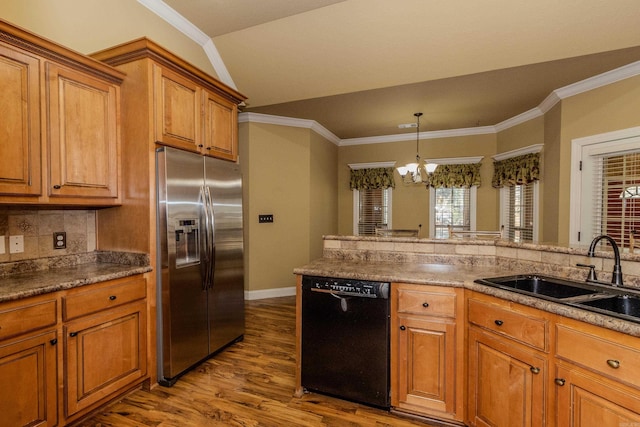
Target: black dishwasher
345 339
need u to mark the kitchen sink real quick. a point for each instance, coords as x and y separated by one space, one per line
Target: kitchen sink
543 286
625 305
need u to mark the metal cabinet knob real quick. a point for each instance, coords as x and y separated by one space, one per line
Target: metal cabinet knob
57 187
498 322
615 364
112 298
534 370
402 328
559 381
54 341
425 304
73 334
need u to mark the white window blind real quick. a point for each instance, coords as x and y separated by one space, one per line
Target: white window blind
616 195
519 211
452 208
373 210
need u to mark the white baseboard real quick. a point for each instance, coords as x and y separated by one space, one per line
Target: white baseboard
270 293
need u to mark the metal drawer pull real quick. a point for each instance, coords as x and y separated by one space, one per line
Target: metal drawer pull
54 341
615 364
402 328
559 381
534 370
73 334
57 187
112 298
425 304
498 322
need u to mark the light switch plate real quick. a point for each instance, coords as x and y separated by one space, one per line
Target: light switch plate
16 244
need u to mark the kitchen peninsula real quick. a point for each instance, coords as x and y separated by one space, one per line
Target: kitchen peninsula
503 358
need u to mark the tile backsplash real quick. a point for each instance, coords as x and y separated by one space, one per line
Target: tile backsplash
37 227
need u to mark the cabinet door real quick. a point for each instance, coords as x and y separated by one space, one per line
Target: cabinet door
20 163
29 366
83 134
426 365
104 355
178 110
506 382
589 401
221 127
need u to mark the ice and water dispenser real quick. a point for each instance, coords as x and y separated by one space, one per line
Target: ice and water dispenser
187 243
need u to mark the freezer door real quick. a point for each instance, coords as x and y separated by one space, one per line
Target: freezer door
182 293
226 294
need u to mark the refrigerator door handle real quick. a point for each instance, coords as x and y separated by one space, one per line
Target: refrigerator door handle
205 244
212 237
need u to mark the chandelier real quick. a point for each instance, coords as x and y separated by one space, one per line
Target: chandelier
418 172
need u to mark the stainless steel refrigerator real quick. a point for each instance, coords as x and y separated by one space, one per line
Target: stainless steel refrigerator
200 266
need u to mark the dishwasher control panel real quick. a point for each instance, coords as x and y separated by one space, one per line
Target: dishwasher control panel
347 287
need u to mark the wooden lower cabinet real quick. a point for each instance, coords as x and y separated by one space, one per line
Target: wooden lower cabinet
103 354
506 382
28 368
427 366
588 400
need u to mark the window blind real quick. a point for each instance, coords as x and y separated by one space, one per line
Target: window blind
518 215
452 208
373 210
616 195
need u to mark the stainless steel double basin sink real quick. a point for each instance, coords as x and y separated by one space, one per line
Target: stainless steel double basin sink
621 302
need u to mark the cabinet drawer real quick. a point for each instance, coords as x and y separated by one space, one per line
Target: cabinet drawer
522 327
20 319
430 303
599 354
90 301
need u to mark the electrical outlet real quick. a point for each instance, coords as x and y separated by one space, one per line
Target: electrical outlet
16 244
265 218
59 240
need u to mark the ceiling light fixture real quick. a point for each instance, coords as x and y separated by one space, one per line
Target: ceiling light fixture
418 172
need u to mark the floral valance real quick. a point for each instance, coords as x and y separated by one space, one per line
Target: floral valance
371 179
450 176
516 170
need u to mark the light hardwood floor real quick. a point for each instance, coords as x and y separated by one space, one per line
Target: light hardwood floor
250 383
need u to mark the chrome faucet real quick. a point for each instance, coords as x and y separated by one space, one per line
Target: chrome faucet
616 278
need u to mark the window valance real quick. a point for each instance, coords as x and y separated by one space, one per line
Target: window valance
455 176
516 170
371 179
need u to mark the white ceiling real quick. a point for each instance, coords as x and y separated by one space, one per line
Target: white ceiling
361 67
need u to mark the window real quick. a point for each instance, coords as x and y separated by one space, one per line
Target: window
372 209
518 209
605 180
453 207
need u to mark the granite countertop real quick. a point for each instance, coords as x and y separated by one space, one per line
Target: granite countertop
461 276
37 277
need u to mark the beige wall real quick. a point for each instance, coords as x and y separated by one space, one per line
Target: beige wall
91 25
410 208
288 172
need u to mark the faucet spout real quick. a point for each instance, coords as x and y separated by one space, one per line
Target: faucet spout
616 278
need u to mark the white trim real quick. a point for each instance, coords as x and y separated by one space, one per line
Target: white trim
535 148
356 166
269 293
582 150
289 121
519 119
455 160
183 25
483 130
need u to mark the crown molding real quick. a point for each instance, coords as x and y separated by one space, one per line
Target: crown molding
535 148
482 130
289 121
373 165
183 25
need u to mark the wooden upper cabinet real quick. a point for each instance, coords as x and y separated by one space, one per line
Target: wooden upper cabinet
220 127
178 110
20 130
60 132
83 134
